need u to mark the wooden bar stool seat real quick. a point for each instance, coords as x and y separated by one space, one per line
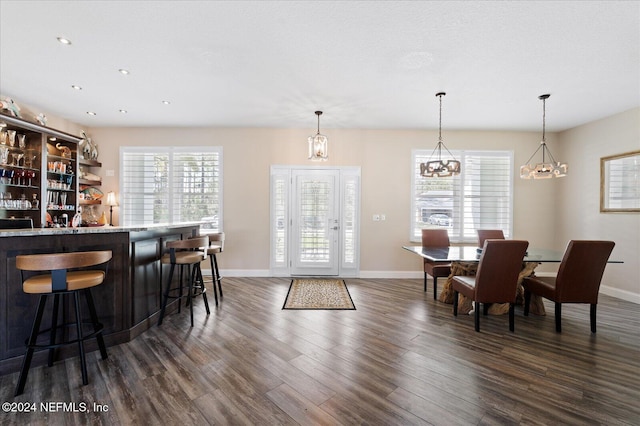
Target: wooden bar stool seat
185 253
58 282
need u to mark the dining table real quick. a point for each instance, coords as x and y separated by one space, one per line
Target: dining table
464 260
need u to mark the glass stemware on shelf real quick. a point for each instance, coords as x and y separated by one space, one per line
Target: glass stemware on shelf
12 137
22 143
17 157
4 154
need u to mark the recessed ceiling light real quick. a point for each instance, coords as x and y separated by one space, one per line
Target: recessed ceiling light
91 113
123 111
166 102
52 139
74 86
64 40
123 71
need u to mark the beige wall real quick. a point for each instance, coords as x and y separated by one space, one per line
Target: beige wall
385 159
547 213
579 214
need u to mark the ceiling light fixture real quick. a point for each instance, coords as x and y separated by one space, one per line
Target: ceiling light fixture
91 113
123 111
318 144
123 71
64 40
76 87
440 167
544 170
166 102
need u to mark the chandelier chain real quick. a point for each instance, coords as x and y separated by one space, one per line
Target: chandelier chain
440 119
544 118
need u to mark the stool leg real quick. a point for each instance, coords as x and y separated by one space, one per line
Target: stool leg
203 289
26 361
166 294
190 295
96 324
54 328
83 361
218 277
180 291
213 276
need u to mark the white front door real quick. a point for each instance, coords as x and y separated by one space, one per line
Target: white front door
315 222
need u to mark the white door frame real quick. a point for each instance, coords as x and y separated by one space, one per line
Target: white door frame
348 220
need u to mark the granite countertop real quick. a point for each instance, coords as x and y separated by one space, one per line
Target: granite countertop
92 229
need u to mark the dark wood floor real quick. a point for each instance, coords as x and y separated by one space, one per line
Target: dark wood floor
400 358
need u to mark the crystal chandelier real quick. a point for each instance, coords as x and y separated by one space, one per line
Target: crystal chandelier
318 144
546 169
440 167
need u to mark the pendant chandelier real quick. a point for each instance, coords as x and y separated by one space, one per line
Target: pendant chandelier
318 144
546 169
440 167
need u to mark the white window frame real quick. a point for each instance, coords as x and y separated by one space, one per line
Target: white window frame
462 228
127 194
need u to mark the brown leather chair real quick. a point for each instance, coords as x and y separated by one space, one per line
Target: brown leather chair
577 281
435 238
496 279
489 234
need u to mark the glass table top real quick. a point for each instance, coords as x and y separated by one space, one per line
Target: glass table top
472 254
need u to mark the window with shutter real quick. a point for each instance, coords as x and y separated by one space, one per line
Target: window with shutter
481 197
171 185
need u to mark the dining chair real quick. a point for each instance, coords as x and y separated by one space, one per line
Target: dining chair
577 281
489 234
435 238
496 279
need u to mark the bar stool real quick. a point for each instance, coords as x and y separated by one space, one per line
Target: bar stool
189 252
58 282
216 245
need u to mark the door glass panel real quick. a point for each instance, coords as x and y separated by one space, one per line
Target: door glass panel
315 201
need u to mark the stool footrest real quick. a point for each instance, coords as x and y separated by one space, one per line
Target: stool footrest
97 330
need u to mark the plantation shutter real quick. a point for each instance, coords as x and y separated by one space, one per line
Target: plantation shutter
171 185
481 197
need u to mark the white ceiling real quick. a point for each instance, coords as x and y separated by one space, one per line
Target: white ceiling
366 64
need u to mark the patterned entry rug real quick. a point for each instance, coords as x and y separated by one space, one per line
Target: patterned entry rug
318 293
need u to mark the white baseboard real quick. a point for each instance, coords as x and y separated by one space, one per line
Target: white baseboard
620 294
609 291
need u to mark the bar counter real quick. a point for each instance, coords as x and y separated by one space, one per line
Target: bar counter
128 302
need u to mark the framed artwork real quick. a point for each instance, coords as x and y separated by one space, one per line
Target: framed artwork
620 183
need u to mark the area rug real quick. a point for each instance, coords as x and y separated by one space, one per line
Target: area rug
318 293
